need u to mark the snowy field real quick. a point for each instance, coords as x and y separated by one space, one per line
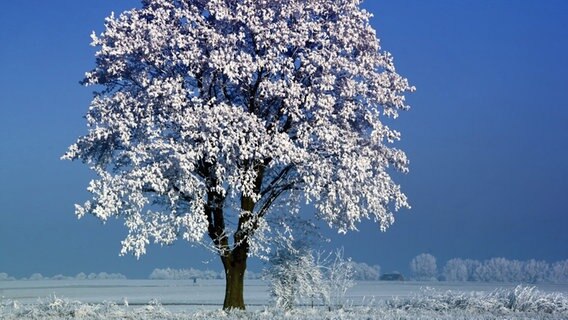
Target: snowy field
183 299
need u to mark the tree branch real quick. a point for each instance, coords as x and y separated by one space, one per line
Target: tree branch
277 179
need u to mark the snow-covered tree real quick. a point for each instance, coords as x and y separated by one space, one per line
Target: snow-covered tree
500 270
365 272
456 270
81 276
105 276
559 272
472 266
424 267
36 277
181 274
211 113
535 271
461 269
5 277
504 270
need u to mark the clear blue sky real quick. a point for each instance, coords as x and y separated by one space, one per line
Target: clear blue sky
487 137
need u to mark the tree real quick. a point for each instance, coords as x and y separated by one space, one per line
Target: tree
456 270
461 269
424 267
559 272
365 272
500 270
534 271
210 115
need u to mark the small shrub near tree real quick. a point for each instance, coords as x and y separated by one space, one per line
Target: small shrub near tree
295 277
298 277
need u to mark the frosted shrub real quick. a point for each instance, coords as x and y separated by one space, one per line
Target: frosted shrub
339 275
55 308
520 303
504 301
295 277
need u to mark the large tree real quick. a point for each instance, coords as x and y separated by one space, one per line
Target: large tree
210 112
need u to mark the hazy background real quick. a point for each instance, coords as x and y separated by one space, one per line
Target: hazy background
486 136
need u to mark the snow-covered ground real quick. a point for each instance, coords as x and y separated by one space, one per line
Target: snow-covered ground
184 299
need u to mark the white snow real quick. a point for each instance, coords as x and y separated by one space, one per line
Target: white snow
182 299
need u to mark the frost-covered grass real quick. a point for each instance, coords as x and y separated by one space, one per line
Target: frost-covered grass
513 303
519 300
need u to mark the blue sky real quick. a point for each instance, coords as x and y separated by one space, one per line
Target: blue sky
486 136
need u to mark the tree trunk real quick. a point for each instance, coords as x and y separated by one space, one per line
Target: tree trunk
235 260
235 266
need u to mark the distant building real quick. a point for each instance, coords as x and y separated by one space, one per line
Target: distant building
392 277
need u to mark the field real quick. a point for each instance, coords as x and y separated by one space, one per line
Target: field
184 299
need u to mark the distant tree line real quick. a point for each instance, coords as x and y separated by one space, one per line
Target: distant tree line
79 276
424 267
191 273
361 272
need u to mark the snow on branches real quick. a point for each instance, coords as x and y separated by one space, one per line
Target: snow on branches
210 107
